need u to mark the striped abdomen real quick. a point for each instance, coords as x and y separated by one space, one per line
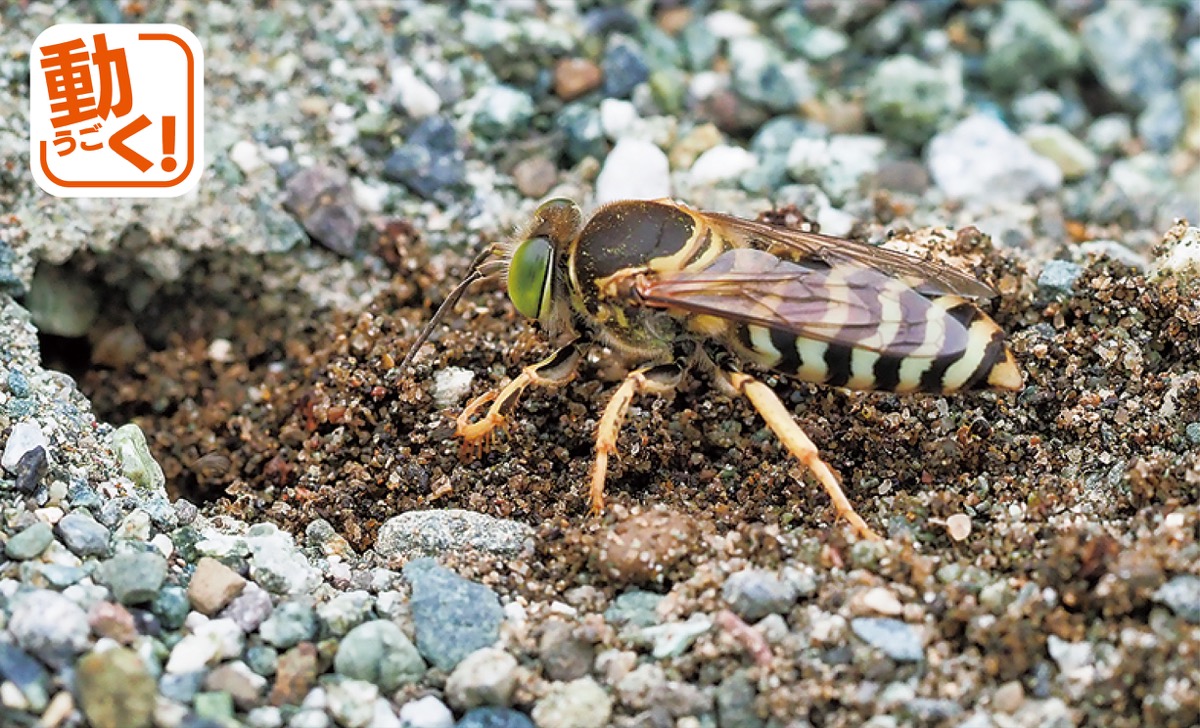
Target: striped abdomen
956 346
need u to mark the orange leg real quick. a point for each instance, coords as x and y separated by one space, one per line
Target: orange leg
556 369
798 444
653 379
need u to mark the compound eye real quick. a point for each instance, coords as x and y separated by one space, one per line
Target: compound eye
529 276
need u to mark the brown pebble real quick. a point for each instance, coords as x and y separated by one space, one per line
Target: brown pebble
294 675
242 684
574 77
565 657
1009 697
535 176
645 547
213 586
113 621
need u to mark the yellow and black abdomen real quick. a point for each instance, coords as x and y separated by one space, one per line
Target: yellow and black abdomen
945 344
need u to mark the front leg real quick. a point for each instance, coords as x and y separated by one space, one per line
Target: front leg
654 379
556 369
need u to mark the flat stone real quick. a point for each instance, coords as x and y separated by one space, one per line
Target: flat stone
83 535
30 542
431 533
896 639
213 586
133 577
453 616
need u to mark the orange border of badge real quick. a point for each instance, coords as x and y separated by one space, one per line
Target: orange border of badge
191 135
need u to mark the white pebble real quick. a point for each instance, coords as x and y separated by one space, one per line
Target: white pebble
426 712
246 156
25 436
634 170
417 98
722 163
959 526
451 384
617 117
728 24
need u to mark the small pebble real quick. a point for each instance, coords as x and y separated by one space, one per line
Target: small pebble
1009 697
114 621
894 638
244 685
754 593
137 464
30 542
634 170
133 577
49 625
83 535
381 653
453 616
722 164
880 601
25 436
578 704
564 656
575 77
426 712
294 675
1182 596
213 585
495 718
289 624
959 526
484 677
352 702
535 176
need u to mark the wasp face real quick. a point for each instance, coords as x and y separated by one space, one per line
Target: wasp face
535 263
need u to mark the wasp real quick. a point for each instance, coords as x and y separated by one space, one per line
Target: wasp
679 290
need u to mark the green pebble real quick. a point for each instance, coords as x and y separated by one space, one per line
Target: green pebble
29 543
216 706
137 463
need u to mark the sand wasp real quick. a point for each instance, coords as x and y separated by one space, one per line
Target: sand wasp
681 290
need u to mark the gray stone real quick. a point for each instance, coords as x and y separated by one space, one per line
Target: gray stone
49 625
494 718
982 163
83 535
453 616
500 110
637 608
381 653
1130 47
344 612
735 698
19 668
755 593
435 532
894 638
1058 278
290 624
134 577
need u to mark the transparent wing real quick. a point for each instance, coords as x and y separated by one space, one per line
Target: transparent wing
844 303
924 276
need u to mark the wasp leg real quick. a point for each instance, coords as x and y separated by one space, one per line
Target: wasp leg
785 428
554 370
653 379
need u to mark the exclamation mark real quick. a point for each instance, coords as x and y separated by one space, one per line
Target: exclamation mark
168 140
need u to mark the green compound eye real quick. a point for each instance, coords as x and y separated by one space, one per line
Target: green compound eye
529 277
